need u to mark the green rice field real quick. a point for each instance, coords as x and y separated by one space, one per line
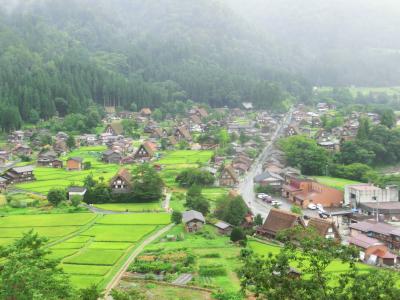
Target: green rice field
90 247
131 207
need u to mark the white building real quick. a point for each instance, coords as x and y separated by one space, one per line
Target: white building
355 194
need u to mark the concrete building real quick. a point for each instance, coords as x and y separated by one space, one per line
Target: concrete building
355 194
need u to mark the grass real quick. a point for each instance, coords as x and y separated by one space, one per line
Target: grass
137 219
84 281
50 232
113 246
132 207
100 257
213 194
337 183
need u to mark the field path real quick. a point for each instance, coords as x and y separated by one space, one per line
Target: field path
113 283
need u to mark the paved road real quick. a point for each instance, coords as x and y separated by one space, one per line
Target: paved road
246 186
113 283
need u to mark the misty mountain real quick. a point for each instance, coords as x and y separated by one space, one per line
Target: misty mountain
56 53
340 42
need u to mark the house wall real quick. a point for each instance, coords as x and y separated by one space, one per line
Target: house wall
193 226
354 196
73 165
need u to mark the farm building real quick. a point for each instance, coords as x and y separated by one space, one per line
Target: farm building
269 179
181 133
146 151
193 220
372 250
223 227
76 191
75 164
228 177
49 159
19 174
114 128
278 220
305 191
3 183
324 228
111 157
121 182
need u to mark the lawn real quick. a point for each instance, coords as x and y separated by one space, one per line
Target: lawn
136 219
135 207
86 269
213 194
337 183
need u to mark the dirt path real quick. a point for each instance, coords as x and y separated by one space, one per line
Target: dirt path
113 283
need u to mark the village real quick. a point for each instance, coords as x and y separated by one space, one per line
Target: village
237 148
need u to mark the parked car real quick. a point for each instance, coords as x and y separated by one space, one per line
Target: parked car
268 199
305 217
312 206
262 195
320 207
276 203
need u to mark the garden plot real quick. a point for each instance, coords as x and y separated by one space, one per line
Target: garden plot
216 257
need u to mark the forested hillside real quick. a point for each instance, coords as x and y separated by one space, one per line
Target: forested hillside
57 57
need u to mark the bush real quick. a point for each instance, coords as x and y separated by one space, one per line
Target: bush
18 203
237 234
211 255
176 217
198 177
56 196
76 200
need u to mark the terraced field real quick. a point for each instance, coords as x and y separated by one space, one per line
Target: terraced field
91 247
95 255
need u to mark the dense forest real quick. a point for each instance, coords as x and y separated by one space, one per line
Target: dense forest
57 57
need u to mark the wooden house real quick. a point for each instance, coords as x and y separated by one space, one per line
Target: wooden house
76 191
19 174
49 159
228 177
114 128
325 228
75 164
145 112
22 150
111 157
3 183
223 227
121 182
181 133
193 220
146 151
277 221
